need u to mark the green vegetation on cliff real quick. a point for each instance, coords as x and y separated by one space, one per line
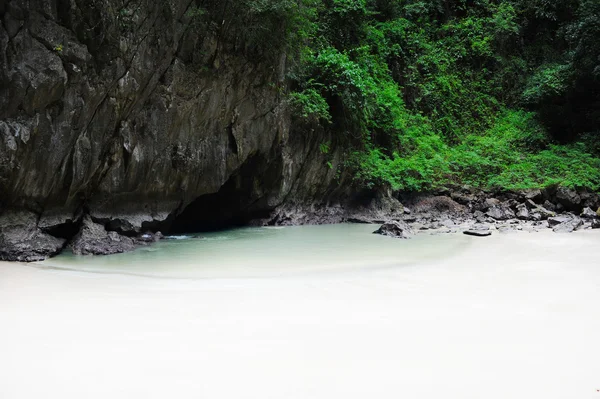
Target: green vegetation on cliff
490 93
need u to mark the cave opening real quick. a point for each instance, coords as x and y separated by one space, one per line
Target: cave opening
238 202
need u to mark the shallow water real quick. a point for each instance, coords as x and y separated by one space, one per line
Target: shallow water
321 312
268 251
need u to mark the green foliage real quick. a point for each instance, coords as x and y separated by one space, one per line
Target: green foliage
549 81
262 29
428 93
310 104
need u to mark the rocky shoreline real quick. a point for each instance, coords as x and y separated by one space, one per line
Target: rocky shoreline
23 238
480 213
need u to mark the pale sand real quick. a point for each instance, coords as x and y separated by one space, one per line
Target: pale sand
514 316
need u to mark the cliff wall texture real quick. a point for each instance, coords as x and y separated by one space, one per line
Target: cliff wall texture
124 111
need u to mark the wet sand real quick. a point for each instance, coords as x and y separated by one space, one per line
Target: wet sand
509 316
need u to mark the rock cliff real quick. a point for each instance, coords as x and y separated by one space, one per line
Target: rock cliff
127 112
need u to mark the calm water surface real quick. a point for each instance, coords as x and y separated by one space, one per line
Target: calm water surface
268 251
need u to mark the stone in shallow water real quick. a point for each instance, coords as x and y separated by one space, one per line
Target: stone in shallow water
396 229
478 233
93 239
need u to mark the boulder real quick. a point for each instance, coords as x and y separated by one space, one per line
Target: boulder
542 211
93 239
596 224
500 212
522 212
532 194
395 229
478 233
590 200
557 220
549 206
588 214
491 202
150 237
569 226
536 216
568 198
21 240
479 216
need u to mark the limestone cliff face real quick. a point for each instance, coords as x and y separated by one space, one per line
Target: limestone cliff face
126 112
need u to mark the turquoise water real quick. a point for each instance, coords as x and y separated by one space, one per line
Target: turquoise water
267 251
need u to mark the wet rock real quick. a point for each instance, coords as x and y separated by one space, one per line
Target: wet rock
534 195
491 203
569 226
21 240
595 224
395 229
568 198
479 216
556 220
535 216
150 237
93 239
538 212
522 212
549 206
587 213
590 200
478 233
500 212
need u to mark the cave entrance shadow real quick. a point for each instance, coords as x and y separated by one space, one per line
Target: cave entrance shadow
239 201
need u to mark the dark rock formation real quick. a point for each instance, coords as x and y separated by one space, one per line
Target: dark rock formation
522 212
22 240
478 233
555 221
501 212
93 239
128 113
534 195
395 229
587 213
549 206
568 198
568 226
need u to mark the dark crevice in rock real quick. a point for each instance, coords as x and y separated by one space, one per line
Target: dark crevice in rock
66 230
235 204
232 141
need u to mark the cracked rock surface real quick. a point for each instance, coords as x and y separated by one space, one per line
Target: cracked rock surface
126 112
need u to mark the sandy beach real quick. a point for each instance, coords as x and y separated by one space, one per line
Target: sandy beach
510 316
